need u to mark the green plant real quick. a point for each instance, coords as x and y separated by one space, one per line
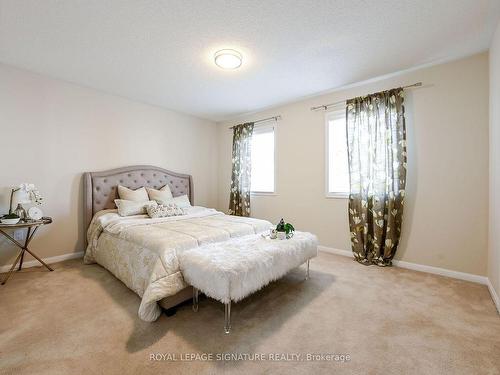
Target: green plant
10 216
285 227
289 228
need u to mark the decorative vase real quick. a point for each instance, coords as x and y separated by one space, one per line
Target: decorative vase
281 226
21 212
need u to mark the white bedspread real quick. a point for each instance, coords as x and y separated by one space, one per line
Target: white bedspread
143 252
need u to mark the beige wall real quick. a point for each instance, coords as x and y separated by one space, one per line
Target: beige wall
446 218
494 233
57 130
53 131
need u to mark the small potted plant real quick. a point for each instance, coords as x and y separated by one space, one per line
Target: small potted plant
284 230
10 219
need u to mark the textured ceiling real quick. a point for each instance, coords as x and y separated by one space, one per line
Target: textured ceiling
160 52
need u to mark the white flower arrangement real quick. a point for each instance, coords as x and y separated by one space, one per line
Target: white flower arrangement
33 193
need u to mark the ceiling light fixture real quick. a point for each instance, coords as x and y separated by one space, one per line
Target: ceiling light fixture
228 59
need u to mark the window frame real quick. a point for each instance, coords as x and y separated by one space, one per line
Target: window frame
335 195
263 126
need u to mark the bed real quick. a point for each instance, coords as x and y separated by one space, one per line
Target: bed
143 252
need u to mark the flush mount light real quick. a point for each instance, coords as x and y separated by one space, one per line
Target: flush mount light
228 59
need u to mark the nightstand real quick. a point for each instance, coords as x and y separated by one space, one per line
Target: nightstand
32 227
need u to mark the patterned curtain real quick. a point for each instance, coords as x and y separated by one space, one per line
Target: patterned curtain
239 200
376 141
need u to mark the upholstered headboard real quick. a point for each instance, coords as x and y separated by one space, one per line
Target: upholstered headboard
100 189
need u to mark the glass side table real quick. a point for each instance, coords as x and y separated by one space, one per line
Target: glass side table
32 229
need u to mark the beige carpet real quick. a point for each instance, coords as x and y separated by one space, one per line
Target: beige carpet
80 319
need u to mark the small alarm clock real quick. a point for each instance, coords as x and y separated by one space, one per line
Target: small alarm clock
35 213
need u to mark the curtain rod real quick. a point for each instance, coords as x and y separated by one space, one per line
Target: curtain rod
275 118
326 106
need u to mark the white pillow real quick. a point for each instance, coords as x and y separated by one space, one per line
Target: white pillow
129 208
181 201
139 195
164 211
162 195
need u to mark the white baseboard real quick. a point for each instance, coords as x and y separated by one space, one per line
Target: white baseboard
442 271
418 267
494 295
49 260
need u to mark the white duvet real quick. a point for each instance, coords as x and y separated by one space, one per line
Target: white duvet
143 252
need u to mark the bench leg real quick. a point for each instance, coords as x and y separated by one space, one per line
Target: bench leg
195 299
307 270
227 317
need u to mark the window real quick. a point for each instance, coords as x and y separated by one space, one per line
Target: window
263 159
337 168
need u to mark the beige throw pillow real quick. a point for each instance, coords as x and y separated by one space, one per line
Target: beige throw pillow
181 201
161 196
139 195
129 208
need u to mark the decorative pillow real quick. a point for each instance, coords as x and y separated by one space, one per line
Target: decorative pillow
129 208
164 210
162 195
139 195
181 201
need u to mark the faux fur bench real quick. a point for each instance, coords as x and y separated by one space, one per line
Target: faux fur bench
231 270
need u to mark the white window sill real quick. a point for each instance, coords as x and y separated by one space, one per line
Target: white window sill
337 195
263 193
